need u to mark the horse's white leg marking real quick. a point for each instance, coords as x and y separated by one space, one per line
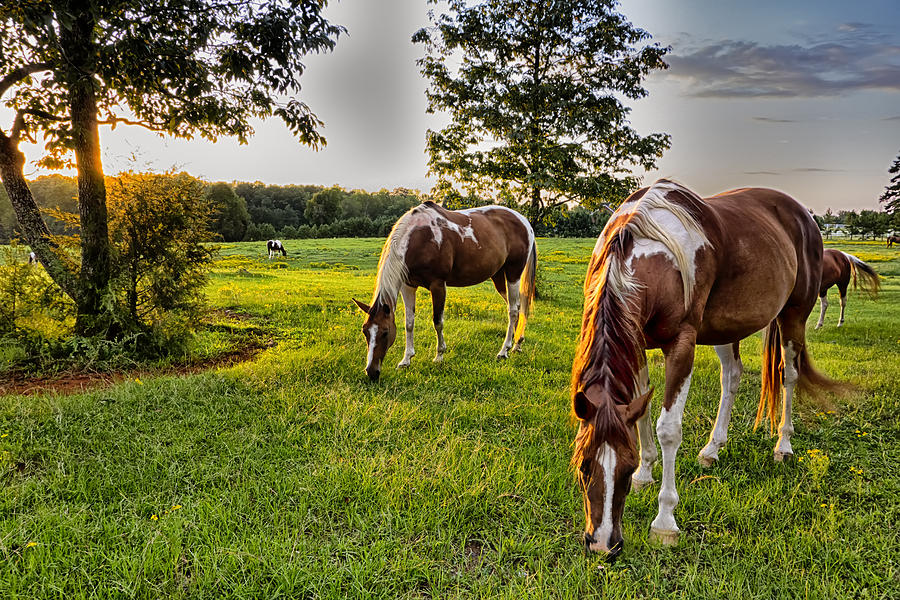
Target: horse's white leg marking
606 458
824 301
668 430
409 311
843 306
512 304
373 332
786 427
730 378
644 474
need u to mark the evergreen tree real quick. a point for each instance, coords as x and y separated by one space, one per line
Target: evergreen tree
533 90
891 196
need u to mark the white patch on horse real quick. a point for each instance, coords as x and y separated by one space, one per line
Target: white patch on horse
606 458
522 219
373 332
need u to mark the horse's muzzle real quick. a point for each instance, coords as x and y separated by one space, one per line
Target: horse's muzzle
611 554
373 374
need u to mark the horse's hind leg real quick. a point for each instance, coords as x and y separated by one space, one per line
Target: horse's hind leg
409 311
438 298
793 338
823 299
732 369
843 291
512 303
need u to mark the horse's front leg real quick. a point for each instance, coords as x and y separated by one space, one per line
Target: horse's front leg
408 293
649 454
679 366
823 300
512 303
438 298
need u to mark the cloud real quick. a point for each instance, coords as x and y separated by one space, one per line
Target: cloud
816 170
773 120
896 118
761 173
851 61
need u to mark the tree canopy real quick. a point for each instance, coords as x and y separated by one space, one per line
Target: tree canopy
178 67
535 93
891 196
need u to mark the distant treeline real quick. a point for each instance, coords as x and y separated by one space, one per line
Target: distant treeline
256 211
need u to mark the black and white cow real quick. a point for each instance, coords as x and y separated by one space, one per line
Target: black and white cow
274 247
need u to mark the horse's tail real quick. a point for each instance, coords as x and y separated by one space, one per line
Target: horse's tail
810 381
869 282
772 368
526 290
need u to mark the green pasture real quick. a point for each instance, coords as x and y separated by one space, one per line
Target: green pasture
293 476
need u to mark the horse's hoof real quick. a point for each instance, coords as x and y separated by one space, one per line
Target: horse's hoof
707 461
782 456
663 537
438 358
639 484
502 356
818 327
403 365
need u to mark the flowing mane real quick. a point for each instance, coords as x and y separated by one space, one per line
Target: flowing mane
392 270
610 348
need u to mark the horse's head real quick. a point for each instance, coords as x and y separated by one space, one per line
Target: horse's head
606 455
380 332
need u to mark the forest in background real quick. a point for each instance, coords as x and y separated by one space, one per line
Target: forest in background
257 211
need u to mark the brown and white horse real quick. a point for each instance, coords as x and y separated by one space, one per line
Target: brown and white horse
432 247
838 268
670 271
893 239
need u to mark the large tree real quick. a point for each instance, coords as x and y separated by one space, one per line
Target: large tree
178 67
535 90
891 196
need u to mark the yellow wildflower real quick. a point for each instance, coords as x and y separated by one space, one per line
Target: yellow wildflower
31 545
138 381
176 506
154 518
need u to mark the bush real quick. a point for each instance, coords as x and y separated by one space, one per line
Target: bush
157 224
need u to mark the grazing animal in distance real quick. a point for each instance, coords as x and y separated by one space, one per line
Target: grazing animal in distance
432 247
32 258
274 247
671 270
893 239
838 268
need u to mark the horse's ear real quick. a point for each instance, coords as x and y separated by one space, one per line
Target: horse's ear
583 407
638 407
362 306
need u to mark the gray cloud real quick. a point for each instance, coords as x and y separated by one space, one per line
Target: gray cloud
896 118
816 170
773 120
761 173
858 60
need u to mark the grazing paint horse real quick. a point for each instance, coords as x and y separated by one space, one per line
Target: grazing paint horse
893 239
670 271
274 247
837 269
432 247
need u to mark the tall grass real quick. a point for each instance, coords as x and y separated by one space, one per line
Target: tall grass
293 476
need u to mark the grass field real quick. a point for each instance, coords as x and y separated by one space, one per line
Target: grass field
292 476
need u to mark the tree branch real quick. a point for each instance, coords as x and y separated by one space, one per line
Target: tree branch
114 120
19 123
17 75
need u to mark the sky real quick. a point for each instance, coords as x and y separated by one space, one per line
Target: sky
802 96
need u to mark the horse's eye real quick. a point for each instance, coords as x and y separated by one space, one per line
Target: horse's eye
384 335
586 467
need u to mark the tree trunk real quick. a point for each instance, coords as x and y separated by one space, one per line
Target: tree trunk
536 208
95 254
12 163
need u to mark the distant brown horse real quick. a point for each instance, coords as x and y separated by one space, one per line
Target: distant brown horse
838 268
893 239
433 247
670 271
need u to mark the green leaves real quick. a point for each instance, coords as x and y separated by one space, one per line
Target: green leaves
535 92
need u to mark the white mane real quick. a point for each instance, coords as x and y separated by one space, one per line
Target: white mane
392 269
655 220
